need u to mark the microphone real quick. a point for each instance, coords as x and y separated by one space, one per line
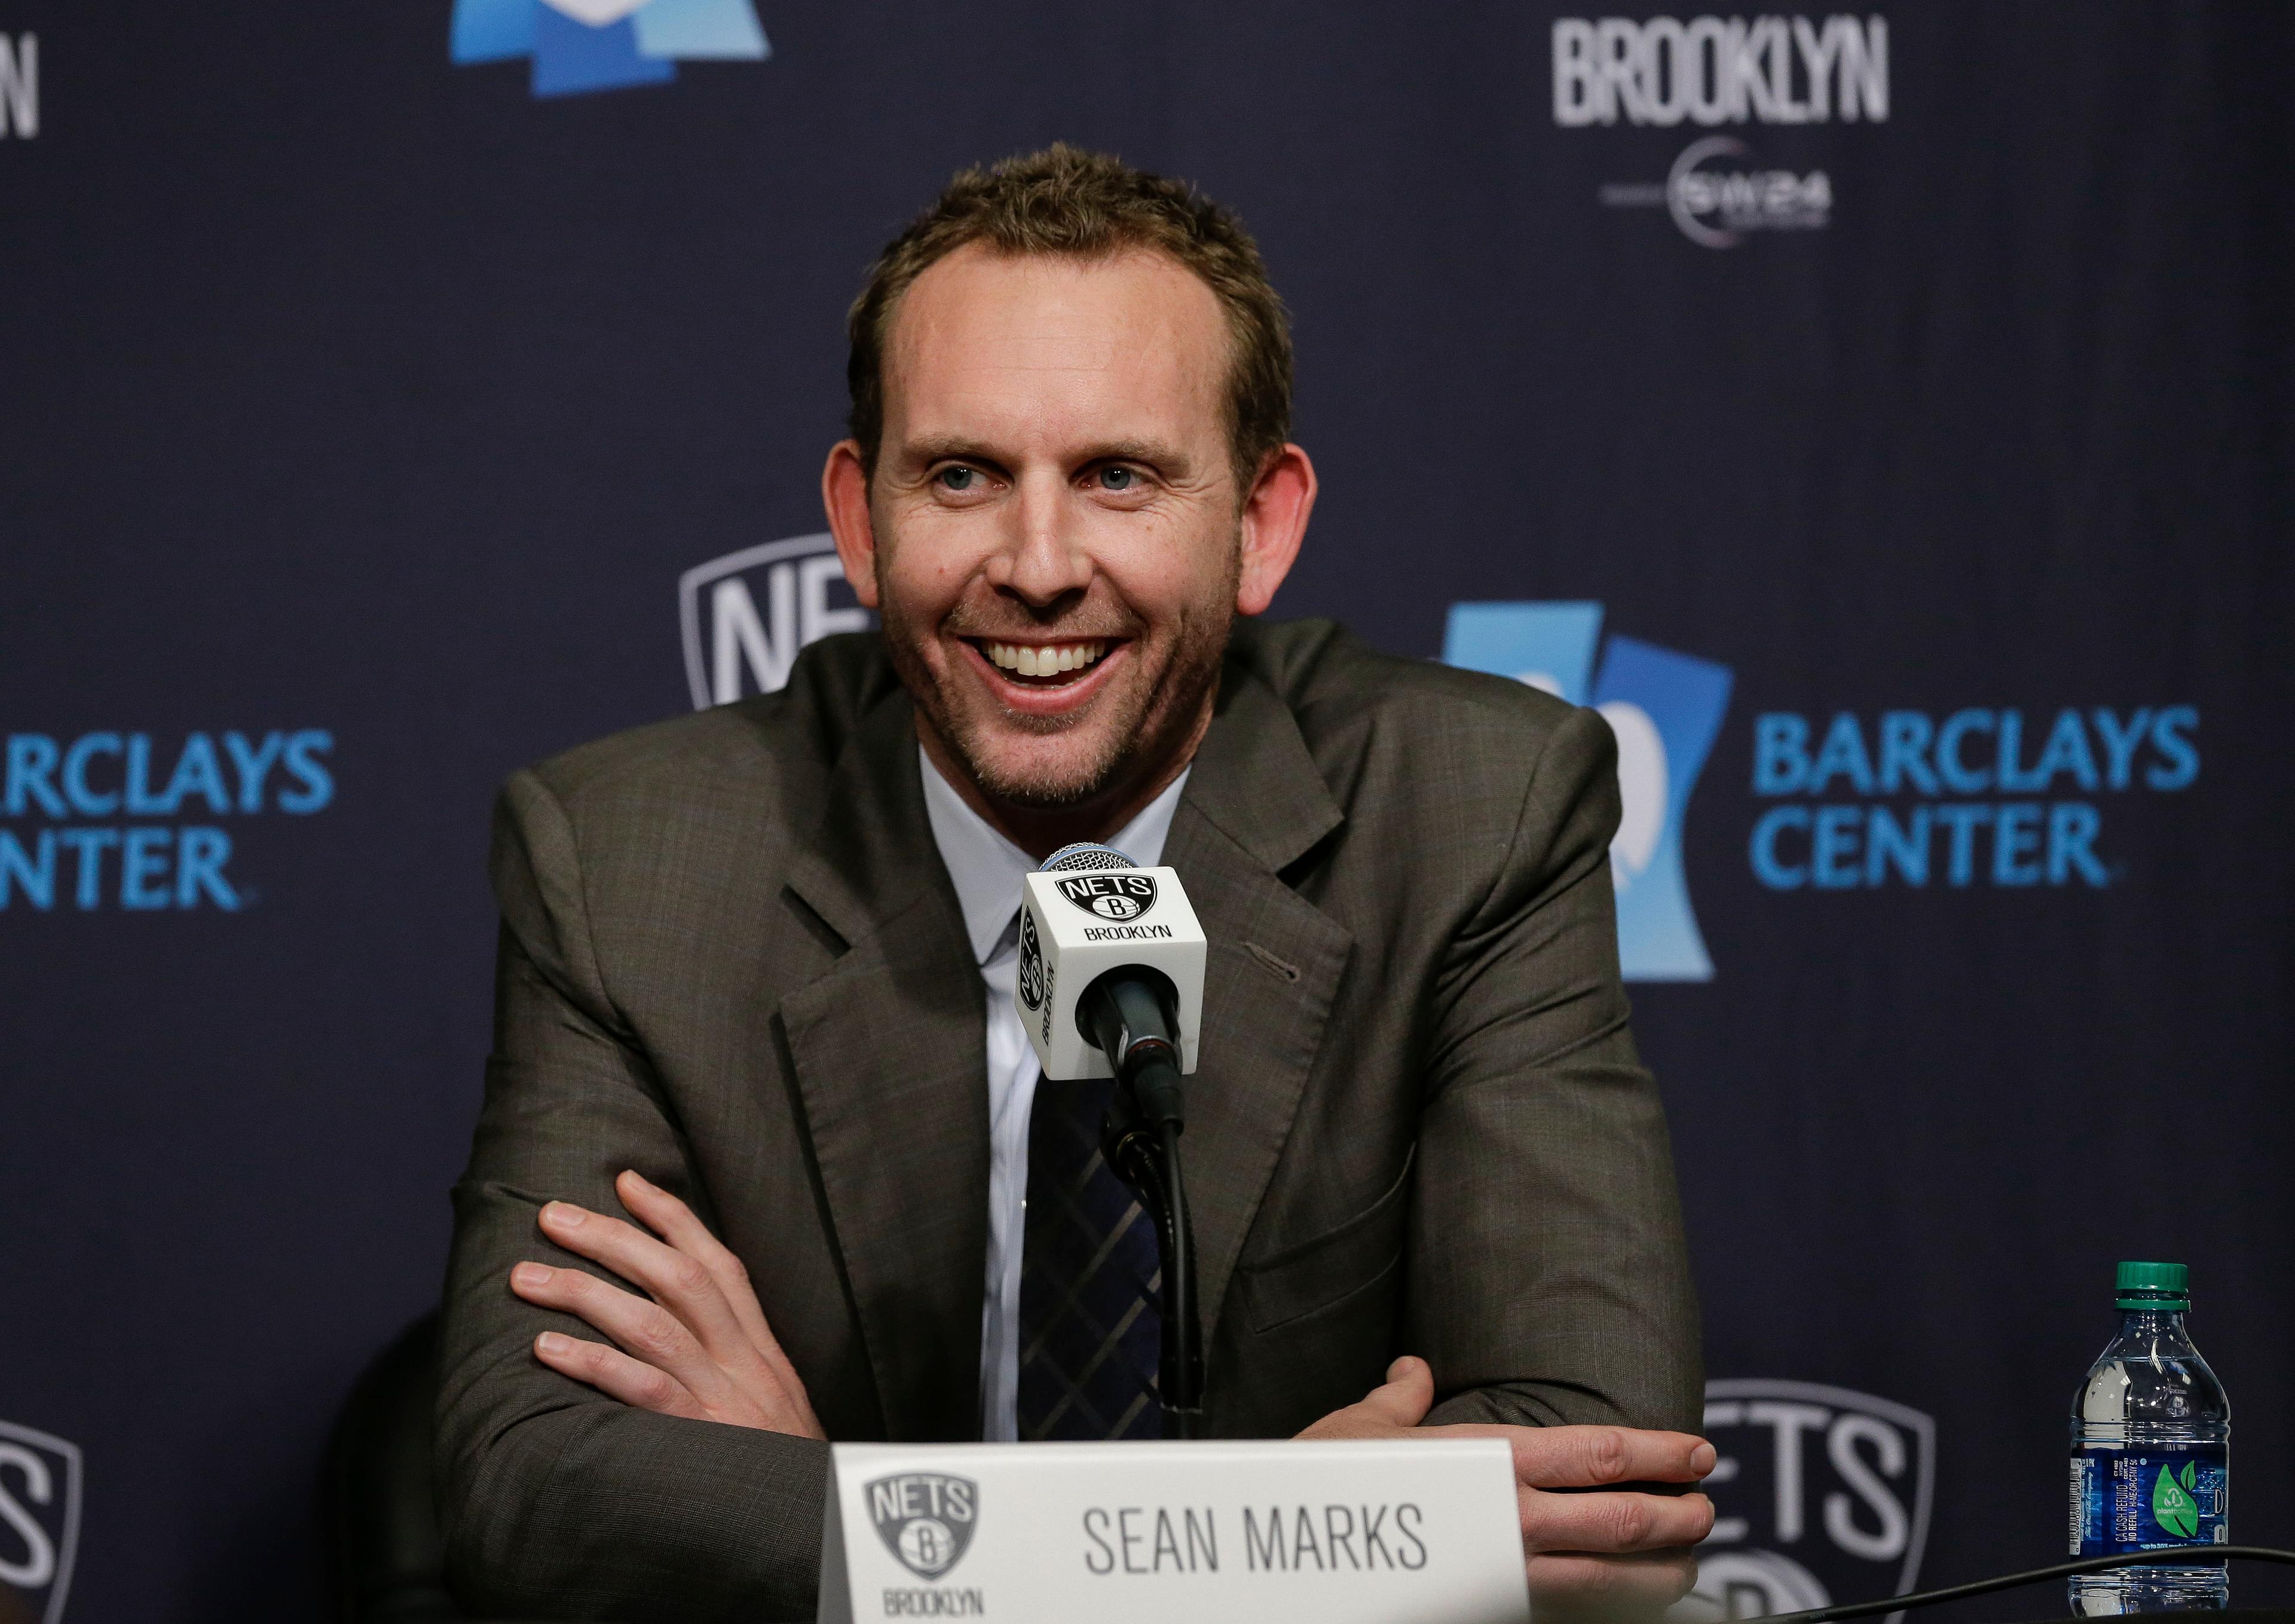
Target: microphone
1111 975
1111 984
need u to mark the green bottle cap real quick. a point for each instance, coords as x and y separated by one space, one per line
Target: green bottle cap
2153 1285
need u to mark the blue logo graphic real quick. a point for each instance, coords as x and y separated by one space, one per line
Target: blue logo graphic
579 46
1665 709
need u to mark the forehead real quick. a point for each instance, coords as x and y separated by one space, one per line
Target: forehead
1030 346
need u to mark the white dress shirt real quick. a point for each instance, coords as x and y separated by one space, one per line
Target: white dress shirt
986 869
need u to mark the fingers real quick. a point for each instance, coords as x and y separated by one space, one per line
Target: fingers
678 1282
1401 1403
617 1376
1608 1585
1408 1394
676 1223
671 1219
1588 1456
645 1330
1612 1521
699 1323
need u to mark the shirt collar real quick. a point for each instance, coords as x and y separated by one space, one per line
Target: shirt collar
987 869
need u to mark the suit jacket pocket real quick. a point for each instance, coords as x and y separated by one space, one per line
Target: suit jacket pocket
1320 1273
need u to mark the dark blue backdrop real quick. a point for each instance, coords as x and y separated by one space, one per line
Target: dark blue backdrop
361 410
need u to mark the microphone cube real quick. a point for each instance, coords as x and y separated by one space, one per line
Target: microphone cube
1074 927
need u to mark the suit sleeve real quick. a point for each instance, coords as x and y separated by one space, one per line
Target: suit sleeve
557 1501
1550 1279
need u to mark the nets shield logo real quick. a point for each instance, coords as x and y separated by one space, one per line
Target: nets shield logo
745 616
19 85
1665 709
1032 986
1821 1496
1110 896
39 1522
926 1518
578 45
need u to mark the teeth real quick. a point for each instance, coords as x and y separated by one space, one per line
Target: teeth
1046 660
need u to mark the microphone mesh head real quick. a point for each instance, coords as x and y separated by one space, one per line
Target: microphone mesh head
1085 854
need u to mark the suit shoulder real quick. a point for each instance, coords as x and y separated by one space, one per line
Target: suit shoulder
1343 692
762 746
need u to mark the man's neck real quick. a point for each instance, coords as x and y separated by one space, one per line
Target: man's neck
1040 831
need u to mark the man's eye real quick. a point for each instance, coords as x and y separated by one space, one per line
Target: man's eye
1118 479
958 478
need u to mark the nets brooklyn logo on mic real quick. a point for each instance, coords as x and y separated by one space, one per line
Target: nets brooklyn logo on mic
1111 896
1078 924
1030 986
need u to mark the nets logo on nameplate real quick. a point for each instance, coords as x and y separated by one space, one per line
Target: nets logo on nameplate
1822 1495
926 1518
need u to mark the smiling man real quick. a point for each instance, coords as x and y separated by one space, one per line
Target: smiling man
764 1158
1045 498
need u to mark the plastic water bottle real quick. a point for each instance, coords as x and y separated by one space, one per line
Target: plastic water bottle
2151 1457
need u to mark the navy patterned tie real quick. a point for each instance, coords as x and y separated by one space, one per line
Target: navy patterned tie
1091 1323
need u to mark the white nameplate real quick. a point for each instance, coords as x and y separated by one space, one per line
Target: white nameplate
1404 1532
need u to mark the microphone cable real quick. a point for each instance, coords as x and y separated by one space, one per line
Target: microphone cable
2036 1576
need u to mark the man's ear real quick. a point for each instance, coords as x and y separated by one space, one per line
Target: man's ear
845 493
1274 522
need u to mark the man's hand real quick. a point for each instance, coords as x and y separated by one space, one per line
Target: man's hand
700 1348
1609 1550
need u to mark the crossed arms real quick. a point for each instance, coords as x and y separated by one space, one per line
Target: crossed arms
643 1446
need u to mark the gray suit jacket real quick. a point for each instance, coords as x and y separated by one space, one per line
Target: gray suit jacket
731 958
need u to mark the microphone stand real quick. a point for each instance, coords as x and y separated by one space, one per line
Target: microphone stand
1146 1155
1140 1138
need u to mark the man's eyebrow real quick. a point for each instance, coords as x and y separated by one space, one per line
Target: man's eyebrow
949 447
955 448
1156 453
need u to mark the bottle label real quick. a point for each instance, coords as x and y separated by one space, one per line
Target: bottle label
2150 1498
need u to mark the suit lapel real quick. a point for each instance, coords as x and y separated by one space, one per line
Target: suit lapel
889 1050
889 1043
1255 804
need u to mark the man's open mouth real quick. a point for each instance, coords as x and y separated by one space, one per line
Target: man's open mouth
1044 665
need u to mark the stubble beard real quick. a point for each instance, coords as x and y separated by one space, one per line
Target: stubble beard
1137 728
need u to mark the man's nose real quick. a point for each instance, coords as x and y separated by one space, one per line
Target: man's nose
1044 558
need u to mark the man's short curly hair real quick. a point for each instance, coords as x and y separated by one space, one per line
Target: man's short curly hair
1083 205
